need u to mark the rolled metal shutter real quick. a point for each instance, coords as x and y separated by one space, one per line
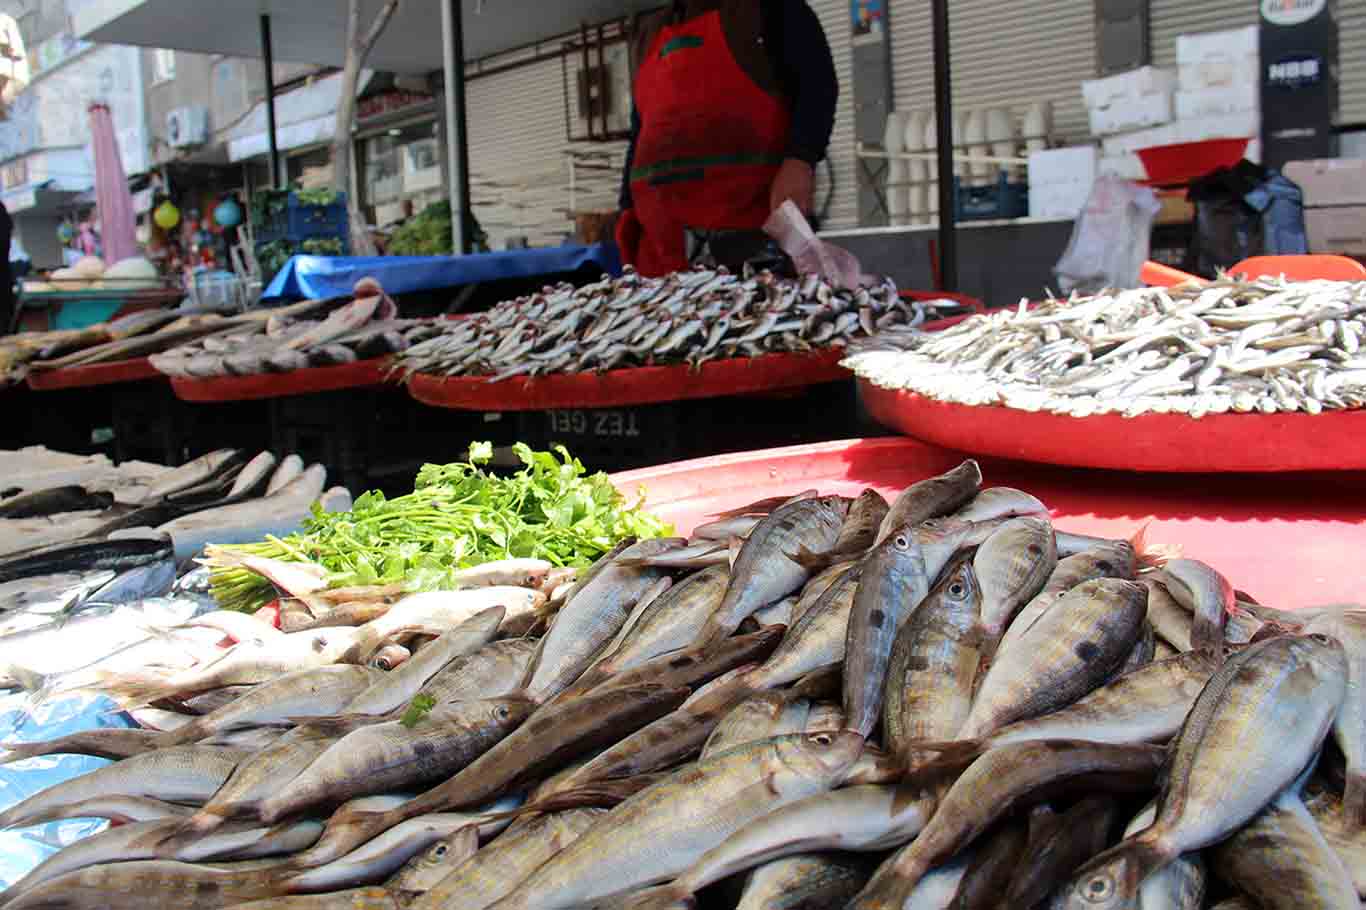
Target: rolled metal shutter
843 211
1003 55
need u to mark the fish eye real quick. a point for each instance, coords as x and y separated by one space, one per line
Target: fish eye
901 542
1099 889
503 712
823 739
1323 639
382 663
957 589
440 850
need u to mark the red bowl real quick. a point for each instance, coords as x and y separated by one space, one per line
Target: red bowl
1187 161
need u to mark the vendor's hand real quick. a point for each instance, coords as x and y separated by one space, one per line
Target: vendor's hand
627 235
796 180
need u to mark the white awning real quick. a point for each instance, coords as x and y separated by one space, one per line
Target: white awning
314 31
305 116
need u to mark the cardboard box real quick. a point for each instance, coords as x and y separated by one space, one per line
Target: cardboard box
1218 102
1058 200
1218 59
1131 114
1341 229
1176 208
1127 165
1074 164
1330 181
1112 90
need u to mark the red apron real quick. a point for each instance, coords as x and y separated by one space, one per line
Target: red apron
710 143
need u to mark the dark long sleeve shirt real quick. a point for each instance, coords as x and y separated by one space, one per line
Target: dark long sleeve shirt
799 55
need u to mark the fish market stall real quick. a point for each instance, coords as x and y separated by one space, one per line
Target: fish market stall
1260 375
872 673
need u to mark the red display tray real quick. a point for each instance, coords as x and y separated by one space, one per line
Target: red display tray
1175 443
94 374
356 375
1289 544
638 385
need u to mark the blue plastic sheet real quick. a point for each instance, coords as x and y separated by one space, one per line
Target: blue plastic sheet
23 848
321 277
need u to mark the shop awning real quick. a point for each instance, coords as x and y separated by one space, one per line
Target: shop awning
314 31
304 116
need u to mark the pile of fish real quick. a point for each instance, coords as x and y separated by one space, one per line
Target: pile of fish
222 497
1263 346
817 702
282 341
686 317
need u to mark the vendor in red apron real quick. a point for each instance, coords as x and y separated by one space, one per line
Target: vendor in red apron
734 106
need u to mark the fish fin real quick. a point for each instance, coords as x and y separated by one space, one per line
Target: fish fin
950 755
1354 801
1152 555
811 560
733 549
762 506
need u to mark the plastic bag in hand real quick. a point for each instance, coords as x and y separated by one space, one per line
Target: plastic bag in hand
809 253
1111 238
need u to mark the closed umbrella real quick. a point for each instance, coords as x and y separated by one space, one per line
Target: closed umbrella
111 189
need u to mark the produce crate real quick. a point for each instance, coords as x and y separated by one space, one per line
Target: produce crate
979 203
297 221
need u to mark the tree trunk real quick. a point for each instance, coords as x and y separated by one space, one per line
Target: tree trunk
343 149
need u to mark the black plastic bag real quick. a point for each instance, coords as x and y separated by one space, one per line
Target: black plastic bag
1246 210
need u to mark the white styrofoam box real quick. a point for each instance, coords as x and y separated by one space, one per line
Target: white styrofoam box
1127 165
1216 102
1329 181
1216 59
1146 80
1229 126
1074 164
1131 114
1339 229
1127 143
1058 200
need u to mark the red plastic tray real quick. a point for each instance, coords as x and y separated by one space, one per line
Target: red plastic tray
638 385
1330 441
1289 544
361 374
94 374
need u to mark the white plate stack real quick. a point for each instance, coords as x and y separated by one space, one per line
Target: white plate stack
894 142
917 171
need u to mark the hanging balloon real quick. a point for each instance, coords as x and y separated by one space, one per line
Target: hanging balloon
167 215
65 232
228 214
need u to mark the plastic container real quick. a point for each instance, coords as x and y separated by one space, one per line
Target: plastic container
1000 200
298 221
1186 161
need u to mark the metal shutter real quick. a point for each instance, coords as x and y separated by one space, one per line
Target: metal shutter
1004 55
843 213
1352 61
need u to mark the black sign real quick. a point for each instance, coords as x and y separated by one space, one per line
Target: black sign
1299 60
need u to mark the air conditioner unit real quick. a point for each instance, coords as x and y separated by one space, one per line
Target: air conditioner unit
187 126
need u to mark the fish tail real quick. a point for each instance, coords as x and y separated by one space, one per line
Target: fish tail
1152 555
1354 800
21 751
949 755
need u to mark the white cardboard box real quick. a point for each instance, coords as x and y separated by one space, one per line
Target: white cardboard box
1218 59
1074 164
1146 80
1129 166
1330 181
1058 200
1131 114
1217 102
1341 229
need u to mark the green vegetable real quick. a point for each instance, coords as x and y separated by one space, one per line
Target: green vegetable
419 708
322 246
427 233
321 196
457 516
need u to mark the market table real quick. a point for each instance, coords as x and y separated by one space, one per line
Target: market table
1289 544
318 277
73 309
95 374
262 386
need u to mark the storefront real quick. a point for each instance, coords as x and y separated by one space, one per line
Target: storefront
399 155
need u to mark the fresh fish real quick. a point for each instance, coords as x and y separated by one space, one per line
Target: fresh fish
990 869
153 885
1180 885
389 756
498 867
1349 729
589 621
121 810
234 625
807 881
761 716
1348 839
254 476
692 556
290 467
990 788
87 556
1171 621
895 578
1117 561
1001 502
321 690
106 742
1282 860
179 774
813 589
1227 764
931 498
765 570
191 474
425 871
1081 833
857 534
1206 593
493 671
1012 566
816 640
1071 650
258 777
934 663
396 689
658 833
54 501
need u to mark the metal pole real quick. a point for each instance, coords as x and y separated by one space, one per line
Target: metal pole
457 143
268 52
943 118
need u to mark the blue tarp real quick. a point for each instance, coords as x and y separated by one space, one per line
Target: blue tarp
23 848
320 277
